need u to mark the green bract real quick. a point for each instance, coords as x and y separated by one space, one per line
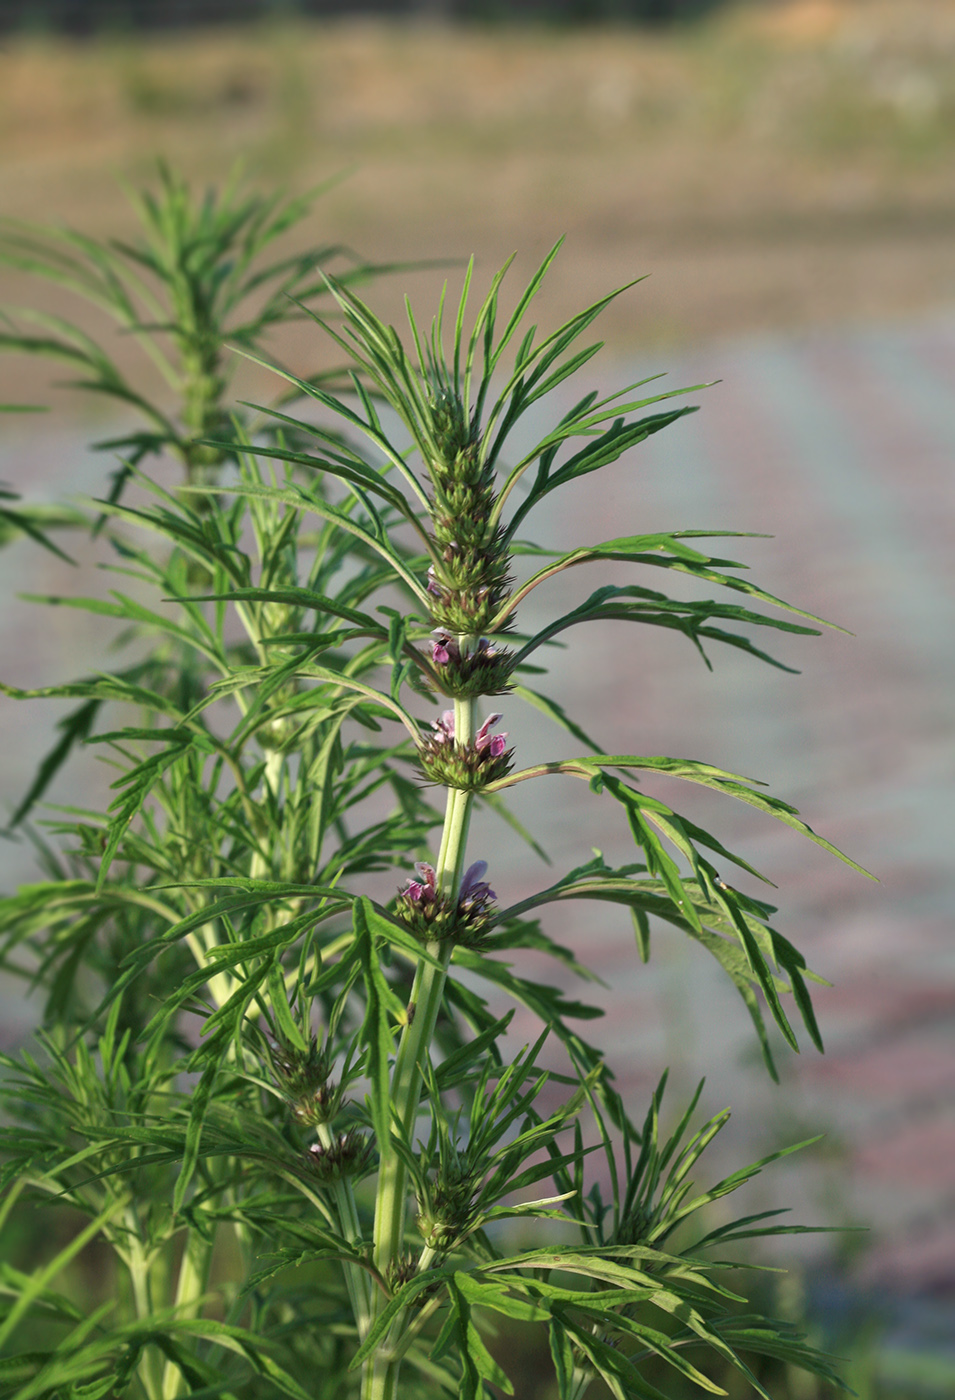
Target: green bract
284 1111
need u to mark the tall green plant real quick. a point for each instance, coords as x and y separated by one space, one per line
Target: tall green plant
284 1106
203 276
207 274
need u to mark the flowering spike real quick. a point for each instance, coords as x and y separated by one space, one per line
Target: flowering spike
423 891
474 872
469 578
482 739
304 1079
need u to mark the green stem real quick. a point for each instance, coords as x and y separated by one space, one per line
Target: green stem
190 1287
197 1255
580 1383
356 1278
380 1377
150 1362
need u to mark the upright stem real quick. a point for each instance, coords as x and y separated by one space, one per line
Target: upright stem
197 1255
150 1367
190 1288
381 1372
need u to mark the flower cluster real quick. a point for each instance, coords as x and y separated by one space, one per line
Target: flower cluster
303 1079
350 1154
486 670
402 1269
470 581
469 767
445 1213
432 915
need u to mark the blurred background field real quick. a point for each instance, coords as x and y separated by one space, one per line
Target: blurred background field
786 174
775 165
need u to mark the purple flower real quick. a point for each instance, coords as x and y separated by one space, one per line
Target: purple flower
494 743
433 586
474 888
424 890
444 648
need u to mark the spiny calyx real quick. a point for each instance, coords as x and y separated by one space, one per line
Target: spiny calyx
349 1154
303 1077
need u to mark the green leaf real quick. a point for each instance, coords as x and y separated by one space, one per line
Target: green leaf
284 1019
103 688
562 1356
25 522
35 1286
202 1096
131 611
691 770
553 711
460 1332
404 1296
644 605
496 804
608 447
297 598
665 551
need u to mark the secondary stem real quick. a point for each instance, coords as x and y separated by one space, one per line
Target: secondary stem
150 1367
356 1279
197 1254
190 1288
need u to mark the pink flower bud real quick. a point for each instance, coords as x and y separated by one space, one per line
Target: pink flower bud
422 891
444 728
444 649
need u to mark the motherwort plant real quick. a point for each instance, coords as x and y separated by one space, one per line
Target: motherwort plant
283 1108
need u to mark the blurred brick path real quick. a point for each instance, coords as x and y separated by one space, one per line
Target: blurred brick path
841 446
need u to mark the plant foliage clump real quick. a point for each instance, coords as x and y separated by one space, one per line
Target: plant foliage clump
283 1111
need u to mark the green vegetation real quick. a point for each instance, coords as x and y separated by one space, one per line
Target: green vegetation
287 1117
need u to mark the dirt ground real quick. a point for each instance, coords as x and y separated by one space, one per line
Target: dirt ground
778 165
